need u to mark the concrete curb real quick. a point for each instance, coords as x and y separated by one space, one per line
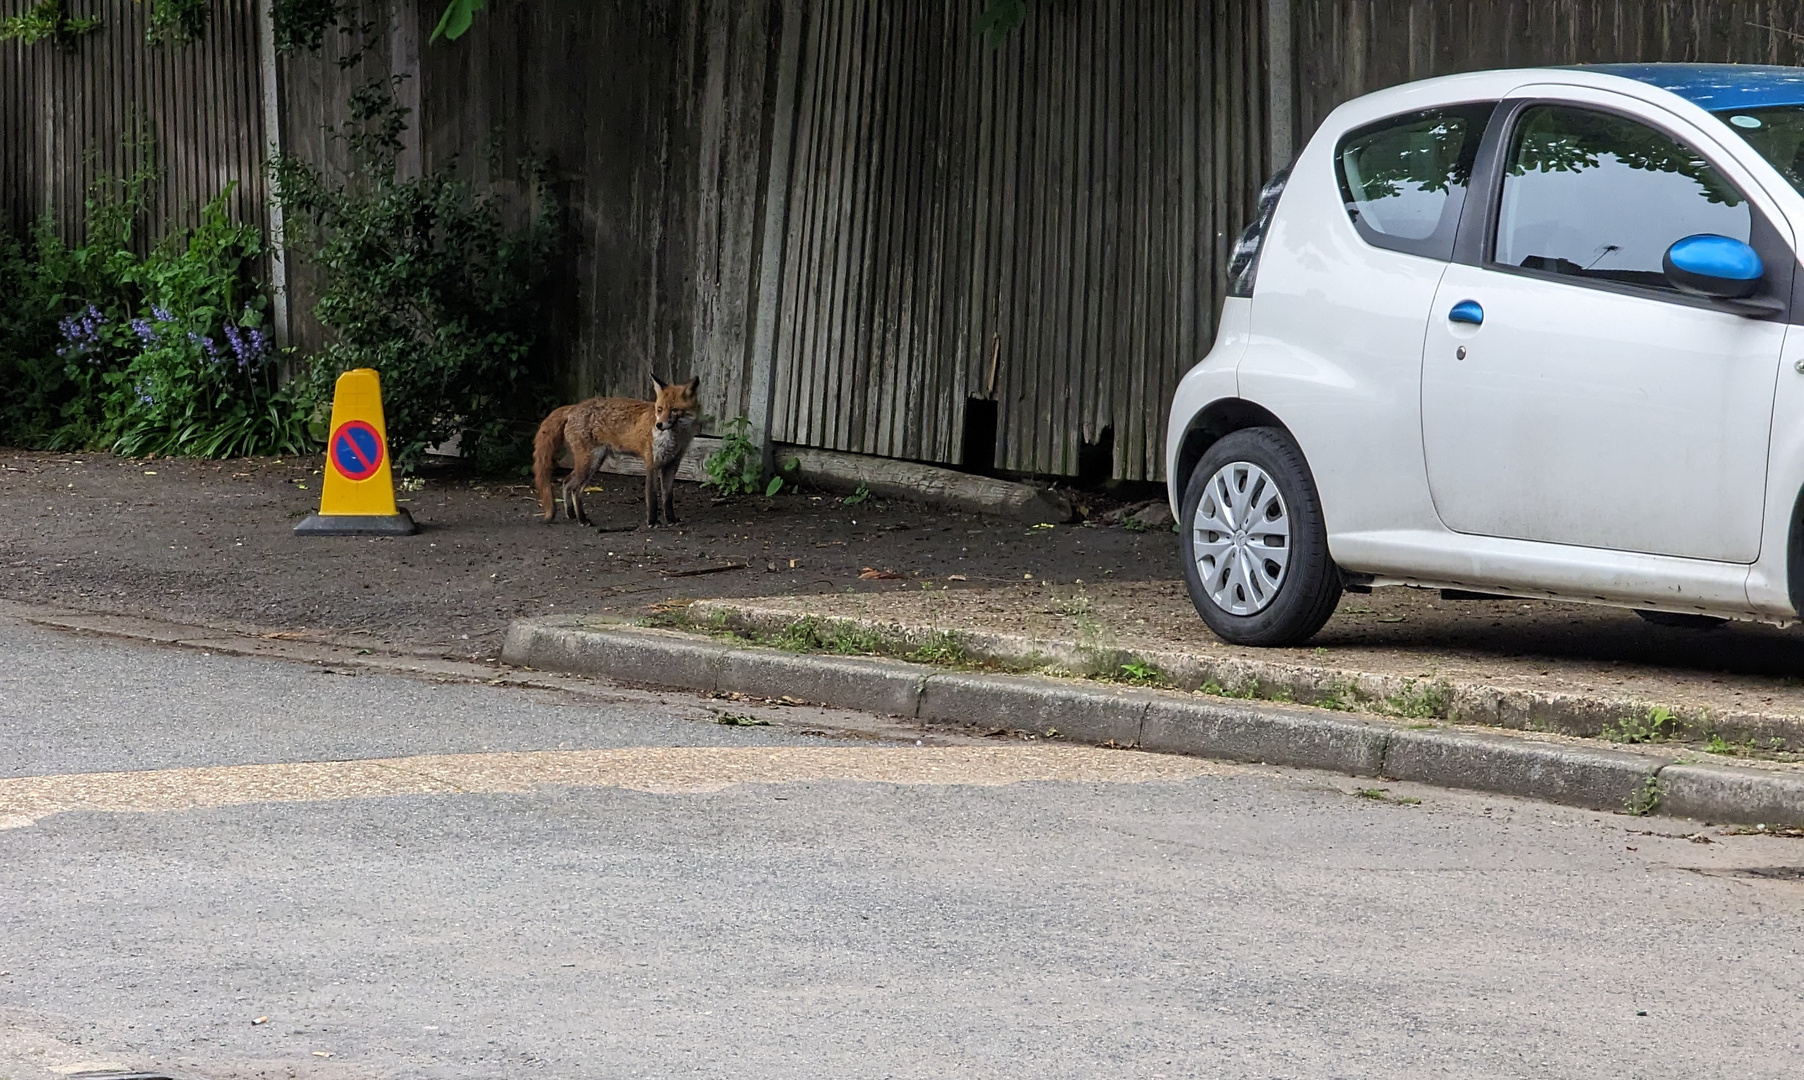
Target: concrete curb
1456 701
1169 722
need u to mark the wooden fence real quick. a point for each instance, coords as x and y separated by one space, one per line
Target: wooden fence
1021 243
73 119
853 212
1033 232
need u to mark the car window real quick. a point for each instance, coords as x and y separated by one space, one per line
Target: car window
1777 132
1404 179
1590 194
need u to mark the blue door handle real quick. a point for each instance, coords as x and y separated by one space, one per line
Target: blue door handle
1467 311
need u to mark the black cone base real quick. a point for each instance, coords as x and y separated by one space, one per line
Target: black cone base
397 524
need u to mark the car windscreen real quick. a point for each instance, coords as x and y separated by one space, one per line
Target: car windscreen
1777 131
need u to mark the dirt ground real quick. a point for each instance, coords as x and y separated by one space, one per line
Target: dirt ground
210 543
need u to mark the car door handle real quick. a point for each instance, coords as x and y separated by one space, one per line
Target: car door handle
1467 311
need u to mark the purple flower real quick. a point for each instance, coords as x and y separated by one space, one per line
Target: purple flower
147 333
81 333
208 346
249 344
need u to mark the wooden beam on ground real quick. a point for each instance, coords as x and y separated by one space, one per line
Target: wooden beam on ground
831 470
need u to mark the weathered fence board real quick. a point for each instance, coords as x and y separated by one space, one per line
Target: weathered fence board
1051 214
109 105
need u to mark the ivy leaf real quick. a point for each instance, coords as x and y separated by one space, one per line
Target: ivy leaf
775 485
458 16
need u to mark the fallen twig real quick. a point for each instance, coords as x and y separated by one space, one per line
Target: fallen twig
697 572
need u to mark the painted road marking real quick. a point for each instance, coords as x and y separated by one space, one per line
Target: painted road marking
657 769
356 450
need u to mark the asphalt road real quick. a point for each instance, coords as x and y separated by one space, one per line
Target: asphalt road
581 885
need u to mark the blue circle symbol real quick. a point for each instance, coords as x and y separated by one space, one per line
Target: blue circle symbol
357 450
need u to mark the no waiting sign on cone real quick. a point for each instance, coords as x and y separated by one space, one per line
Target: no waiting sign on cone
358 497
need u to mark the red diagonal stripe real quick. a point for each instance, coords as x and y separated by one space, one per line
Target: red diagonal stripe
356 451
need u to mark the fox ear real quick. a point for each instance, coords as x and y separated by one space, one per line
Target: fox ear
657 382
695 384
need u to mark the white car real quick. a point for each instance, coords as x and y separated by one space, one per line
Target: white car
1523 333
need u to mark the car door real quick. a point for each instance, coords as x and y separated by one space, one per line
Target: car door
1346 279
1569 393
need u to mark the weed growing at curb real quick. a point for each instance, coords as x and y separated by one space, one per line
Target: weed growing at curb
1138 672
1378 794
1657 724
1774 750
809 634
1419 701
1645 799
943 647
739 720
1244 690
1340 696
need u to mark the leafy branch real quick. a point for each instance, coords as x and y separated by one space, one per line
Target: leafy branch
47 20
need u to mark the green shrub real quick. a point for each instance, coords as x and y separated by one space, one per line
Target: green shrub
737 467
204 381
165 354
426 281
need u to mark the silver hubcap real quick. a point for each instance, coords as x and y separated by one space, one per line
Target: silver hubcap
1241 539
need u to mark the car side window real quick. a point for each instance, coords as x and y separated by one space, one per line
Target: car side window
1404 179
1590 194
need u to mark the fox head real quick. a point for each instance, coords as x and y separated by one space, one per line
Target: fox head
675 405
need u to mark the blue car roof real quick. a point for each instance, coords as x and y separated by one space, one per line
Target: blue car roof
1718 86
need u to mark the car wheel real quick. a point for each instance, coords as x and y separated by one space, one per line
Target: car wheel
1254 545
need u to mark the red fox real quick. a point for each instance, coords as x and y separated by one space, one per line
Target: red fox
656 432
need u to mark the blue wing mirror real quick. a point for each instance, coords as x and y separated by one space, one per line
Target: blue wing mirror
1715 266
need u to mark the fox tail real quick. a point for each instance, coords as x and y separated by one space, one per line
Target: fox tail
545 447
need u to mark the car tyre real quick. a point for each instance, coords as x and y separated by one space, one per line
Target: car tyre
1258 568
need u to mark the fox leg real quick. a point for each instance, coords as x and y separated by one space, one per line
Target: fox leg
667 479
651 496
579 452
584 459
582 476
572 508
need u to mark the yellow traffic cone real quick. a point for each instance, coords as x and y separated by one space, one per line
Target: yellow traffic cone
358 497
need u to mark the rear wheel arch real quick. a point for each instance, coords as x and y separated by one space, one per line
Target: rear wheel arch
1219 418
